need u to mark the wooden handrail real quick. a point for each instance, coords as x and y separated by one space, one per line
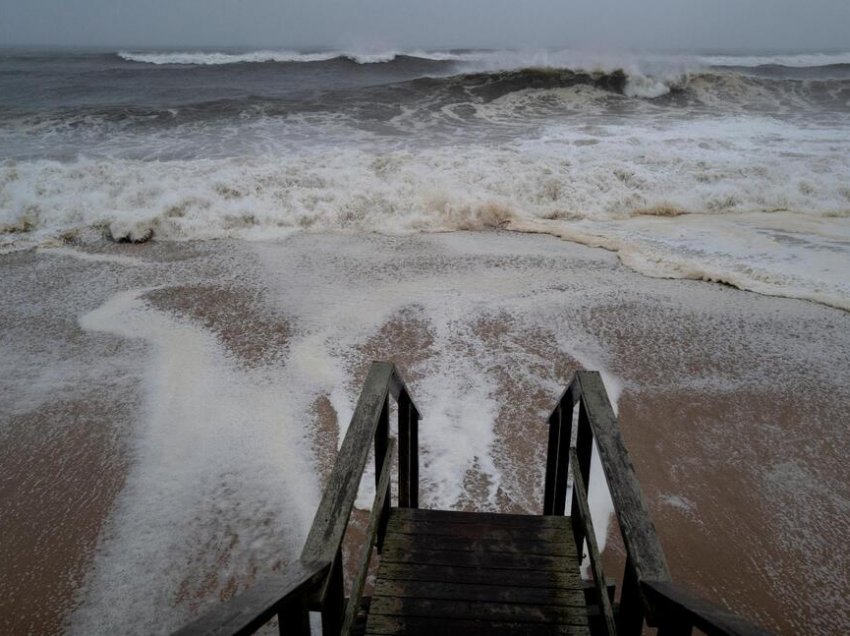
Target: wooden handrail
252 609
639 535
683 611
647 590
315 580
334 510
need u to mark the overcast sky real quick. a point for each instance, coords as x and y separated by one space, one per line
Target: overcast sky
782 25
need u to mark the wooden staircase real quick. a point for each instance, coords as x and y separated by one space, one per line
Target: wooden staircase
448 572
471 573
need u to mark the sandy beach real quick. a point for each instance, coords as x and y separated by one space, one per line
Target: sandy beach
170 411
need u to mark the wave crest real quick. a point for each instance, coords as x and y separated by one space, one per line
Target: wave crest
201 58
808 60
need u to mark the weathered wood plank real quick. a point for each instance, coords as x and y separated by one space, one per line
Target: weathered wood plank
397 387
480 518
478 610
380 625
334 510
485 546
506 593
639 535
252 609
501 532
359 583
518 578
678 607
472 559
580 497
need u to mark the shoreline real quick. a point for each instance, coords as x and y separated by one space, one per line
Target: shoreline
719 383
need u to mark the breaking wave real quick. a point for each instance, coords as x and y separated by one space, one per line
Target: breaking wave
810 60
820 79
587 185
504 60
200 58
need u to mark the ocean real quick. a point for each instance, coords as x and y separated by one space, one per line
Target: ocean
202 251
725 167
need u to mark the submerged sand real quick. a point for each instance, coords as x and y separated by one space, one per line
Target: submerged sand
122 473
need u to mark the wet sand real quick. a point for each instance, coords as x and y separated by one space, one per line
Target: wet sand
733 406
61 469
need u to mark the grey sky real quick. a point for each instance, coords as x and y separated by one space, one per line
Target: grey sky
783 25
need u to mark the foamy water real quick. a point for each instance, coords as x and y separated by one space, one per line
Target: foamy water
223 471
223 476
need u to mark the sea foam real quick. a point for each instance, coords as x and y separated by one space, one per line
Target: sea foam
635 188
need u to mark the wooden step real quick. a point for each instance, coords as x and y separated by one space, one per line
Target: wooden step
446 572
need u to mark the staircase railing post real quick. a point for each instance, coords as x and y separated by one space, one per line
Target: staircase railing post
294 618
583 452
333 607
552 462
414 457
631 614
382 438
565 434
404 454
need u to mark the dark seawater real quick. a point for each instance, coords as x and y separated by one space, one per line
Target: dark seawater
73 97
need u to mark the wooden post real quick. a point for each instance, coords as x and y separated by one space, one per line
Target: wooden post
584 443
382 437
333 606
414 457
552 462
404 409
565 434
630 617
583 454
578 527
294 619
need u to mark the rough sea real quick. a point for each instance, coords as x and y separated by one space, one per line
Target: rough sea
723 167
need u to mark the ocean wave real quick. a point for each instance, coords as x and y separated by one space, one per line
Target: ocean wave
199 58
499 60
445 109
493 74
806 60
600 172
